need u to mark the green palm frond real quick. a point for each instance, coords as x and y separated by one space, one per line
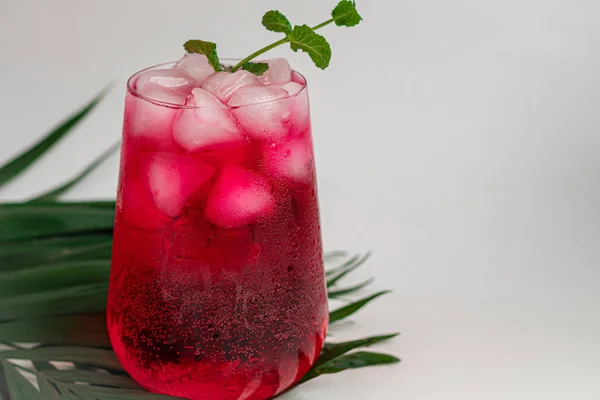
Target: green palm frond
24 160
55 193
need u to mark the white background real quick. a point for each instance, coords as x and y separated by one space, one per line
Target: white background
457 139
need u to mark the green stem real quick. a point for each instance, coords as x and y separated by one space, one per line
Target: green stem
259 52
314 28
273 45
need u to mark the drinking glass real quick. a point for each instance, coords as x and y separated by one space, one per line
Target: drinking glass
217 287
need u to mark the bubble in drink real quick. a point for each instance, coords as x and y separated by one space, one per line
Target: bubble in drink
224 84
279 72
262 111
239 197
204 123
196 65
173 178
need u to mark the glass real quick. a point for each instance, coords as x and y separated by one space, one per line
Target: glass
217 287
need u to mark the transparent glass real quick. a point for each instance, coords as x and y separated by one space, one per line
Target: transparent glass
217 287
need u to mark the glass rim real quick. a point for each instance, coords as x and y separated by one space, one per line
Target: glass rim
132 90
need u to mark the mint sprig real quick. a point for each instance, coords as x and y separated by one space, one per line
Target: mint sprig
209 49
300 37
303 37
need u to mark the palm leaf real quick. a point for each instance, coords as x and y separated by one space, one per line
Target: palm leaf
50 390
343 266
54 276
54 246
53 194
40 252
333 351
74 330
334 255
70 300
19 387
103 204
347 268
333 294
20 163
360 359
4 395
92 378
88 356
85 392
24 221
346 311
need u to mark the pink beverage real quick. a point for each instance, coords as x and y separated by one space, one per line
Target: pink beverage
217 288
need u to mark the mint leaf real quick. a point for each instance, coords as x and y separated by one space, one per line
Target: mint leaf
277 22
305 39
256 68
345 14
209 49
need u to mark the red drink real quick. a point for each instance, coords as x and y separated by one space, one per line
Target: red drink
217 284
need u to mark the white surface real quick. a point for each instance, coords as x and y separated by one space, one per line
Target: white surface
463 151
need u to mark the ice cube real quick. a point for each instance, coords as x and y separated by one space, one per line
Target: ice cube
300 113
208 124
136 208
239 197
262 111
151 116
223 84
168 80
173 178
291 87
291 160
254 95
279 72
203 98
196 65
150 123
